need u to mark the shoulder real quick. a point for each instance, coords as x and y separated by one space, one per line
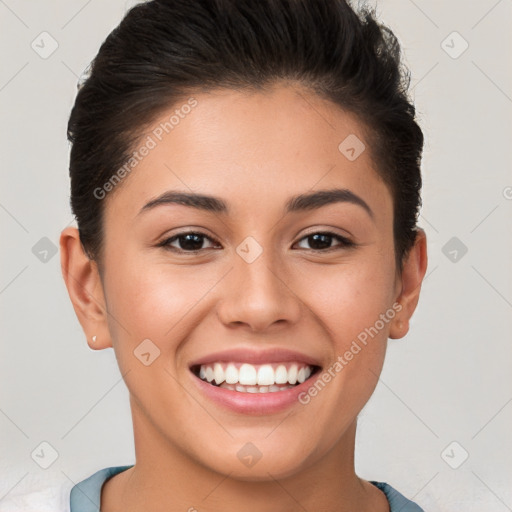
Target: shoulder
85 496
397 502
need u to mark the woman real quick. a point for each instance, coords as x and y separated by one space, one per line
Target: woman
246 182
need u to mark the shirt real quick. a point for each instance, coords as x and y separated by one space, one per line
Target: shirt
85 496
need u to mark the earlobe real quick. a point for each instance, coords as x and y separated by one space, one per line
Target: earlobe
414 268
85 289
399 328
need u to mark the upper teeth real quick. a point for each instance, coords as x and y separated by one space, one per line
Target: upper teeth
251 375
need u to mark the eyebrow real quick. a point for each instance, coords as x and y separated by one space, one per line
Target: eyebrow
301 202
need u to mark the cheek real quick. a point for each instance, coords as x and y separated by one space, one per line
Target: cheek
149 302
351 298
355 306
157 301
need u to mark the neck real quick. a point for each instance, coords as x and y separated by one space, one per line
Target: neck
165 478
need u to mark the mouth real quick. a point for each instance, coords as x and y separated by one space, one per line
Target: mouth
244 377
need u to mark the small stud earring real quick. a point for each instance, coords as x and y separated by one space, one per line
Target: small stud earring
94 338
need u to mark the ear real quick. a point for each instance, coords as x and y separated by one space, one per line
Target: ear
409 284
85 289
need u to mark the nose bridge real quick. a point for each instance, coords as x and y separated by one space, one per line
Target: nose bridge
260 274
258 295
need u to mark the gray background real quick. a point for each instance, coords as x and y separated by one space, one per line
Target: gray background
447 381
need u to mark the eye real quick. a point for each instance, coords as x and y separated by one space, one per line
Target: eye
192 242
188 241
321 241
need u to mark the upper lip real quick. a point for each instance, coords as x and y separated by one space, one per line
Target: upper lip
245 355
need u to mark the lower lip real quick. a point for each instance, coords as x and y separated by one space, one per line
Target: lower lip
254 403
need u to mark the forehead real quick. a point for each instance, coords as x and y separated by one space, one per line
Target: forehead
252 148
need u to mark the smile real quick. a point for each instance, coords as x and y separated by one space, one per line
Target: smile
255 378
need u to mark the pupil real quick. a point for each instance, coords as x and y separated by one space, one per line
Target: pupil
318 237
193 242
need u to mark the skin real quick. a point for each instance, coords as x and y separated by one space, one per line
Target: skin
253 150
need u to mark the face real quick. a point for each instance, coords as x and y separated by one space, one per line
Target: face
269 280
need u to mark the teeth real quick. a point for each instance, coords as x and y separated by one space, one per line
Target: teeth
281 375
265 375
254 389
209 373
218 373
248 378
247 375
231 374
292 374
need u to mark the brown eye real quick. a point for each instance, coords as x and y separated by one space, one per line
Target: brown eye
190 241
322 241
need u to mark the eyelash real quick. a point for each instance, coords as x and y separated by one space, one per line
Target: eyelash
344 242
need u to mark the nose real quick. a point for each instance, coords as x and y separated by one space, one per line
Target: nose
258 295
